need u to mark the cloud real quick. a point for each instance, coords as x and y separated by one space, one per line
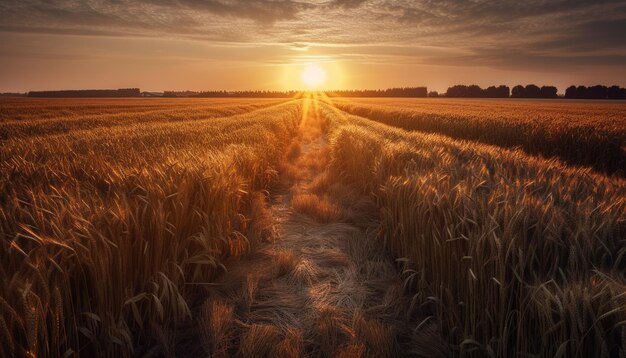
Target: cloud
144 14
589 37
541 35
513 59
265 12
346 4
500 34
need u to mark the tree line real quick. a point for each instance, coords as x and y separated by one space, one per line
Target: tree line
457 91
534 91
389 92
474 91
122 92
233 94
596 92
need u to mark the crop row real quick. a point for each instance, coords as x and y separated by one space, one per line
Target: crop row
51 117
584 134
506 254
106 233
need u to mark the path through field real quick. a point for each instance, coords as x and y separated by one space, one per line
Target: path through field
323 287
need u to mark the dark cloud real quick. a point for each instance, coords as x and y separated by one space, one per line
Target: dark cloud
542 35
588 37
346 4
503 34
145 13
517 17
263 11
512 59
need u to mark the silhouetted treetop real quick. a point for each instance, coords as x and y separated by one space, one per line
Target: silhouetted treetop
390 92
534 91
595 92
123 92
475 91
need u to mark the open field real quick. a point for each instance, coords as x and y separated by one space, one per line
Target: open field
312 227
508 253
21 117
106 230
584 133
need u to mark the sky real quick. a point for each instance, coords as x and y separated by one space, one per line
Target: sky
265 45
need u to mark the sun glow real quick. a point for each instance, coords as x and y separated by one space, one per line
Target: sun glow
313 76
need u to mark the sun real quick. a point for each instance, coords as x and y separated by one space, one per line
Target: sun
313 76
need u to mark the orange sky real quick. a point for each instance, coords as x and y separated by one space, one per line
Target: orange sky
254 44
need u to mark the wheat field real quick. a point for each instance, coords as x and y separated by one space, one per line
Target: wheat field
507 254
584 133
312 226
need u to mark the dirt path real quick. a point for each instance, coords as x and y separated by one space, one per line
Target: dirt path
322 288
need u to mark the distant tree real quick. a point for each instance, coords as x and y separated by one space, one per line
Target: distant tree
474 91
518 92
613 92
497 92
597 92
238 94
491 92
571 92
503 91
433 94
390 92
532 91
122 92
457 91
548 92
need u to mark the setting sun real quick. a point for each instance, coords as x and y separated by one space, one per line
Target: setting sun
313 76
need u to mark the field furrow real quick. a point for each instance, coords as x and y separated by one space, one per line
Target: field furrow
323 287
12 127
579 133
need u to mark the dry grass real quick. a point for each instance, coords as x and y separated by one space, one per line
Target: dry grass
217 327
333 330
351 351
377 337
250 289
316 161
305 273
284 261
507 254
320 208
291 346
355 208
260 340
261 221
294 150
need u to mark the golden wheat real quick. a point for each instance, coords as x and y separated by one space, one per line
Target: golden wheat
115 215
509 254
580 133
126 215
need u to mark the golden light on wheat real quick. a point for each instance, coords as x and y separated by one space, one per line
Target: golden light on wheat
117 216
